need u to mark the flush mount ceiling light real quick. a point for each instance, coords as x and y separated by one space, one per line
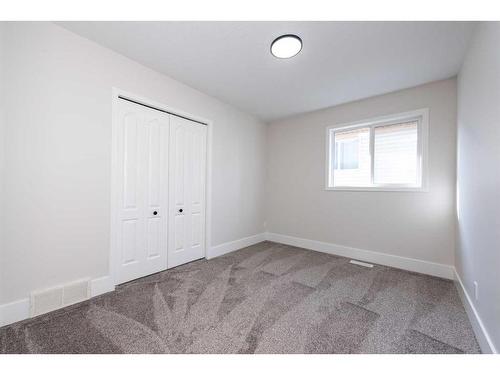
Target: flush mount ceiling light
286 46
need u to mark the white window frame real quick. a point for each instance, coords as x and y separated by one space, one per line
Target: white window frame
422 118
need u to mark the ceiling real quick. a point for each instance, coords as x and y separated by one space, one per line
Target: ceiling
340 61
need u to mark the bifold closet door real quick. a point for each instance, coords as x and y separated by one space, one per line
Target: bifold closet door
187 191
143 141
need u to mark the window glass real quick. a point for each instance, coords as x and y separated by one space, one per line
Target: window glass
347 156
395 153
352 157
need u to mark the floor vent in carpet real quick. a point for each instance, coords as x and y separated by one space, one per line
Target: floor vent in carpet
358 263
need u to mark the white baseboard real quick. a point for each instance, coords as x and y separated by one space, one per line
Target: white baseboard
101 285
228 247
14 311
409 264
482 335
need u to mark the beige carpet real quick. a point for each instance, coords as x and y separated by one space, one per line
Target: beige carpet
267 298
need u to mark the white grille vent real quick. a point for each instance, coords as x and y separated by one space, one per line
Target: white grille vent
76 292
47 300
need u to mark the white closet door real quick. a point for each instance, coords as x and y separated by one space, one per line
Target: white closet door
143 142
187 191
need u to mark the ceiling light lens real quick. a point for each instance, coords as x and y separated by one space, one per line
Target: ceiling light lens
286 46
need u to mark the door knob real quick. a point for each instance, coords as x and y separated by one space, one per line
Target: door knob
155 213
180 209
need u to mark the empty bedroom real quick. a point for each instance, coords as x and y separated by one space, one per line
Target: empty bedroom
249 187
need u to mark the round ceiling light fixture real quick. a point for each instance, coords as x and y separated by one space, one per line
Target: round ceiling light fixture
286 46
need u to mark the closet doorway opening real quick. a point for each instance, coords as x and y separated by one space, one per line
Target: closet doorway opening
159 187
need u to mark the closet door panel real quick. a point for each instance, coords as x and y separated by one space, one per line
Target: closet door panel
143 190
187 191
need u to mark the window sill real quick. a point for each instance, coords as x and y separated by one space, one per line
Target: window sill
373 188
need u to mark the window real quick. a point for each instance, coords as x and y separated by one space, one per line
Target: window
387 153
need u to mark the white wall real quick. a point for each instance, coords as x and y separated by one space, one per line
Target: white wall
57 176
407 224
478 172
2 154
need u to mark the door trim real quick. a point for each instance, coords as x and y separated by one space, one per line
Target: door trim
115 98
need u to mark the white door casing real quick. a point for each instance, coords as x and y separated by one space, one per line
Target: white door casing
143 138
187 188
